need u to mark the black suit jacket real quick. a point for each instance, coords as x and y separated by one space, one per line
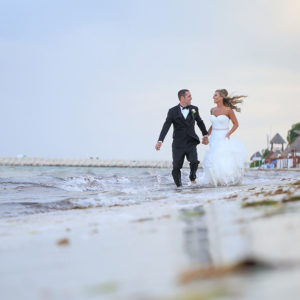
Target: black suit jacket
184 129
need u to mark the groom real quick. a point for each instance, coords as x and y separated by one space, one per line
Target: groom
185 140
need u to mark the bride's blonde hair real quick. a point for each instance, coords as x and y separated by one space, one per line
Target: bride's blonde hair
231 101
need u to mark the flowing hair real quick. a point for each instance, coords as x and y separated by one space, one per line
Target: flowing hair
231 101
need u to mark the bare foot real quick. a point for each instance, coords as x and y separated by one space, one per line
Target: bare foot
194 182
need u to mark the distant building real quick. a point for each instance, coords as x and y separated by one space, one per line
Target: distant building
276 151
290 157
294 148
256 156
277 140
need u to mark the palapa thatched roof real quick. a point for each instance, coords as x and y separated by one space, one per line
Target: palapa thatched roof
256 154
277 139
295 146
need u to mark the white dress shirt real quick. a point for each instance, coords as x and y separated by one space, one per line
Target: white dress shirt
185 112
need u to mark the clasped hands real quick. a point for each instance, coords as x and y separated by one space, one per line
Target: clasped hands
159 143
205 140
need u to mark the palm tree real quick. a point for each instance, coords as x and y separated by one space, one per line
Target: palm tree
292 135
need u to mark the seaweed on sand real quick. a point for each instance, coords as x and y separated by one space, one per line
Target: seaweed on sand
292 198
193 212
297 183
231 196
102 289
211 294
63 242
143 220
264 202
245 265
80 207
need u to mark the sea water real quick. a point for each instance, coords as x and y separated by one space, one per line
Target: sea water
30 190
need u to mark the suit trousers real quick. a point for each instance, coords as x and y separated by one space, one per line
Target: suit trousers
179 153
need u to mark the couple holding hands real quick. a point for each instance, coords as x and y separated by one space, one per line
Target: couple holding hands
225 161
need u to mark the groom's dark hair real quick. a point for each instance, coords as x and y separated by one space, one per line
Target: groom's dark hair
181 93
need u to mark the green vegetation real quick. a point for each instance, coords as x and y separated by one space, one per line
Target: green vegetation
292 135
265 152
255 163
102 288
194 214
260 203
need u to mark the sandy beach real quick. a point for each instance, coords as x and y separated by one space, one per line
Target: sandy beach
239 242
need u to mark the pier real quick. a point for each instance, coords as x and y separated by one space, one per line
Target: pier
90 162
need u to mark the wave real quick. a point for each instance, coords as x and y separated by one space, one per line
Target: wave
44 192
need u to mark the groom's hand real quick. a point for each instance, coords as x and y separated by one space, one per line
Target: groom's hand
158 145
205 140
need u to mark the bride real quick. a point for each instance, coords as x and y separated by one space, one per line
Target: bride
225 161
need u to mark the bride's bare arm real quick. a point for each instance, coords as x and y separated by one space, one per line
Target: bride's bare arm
209 131
210 128
234 121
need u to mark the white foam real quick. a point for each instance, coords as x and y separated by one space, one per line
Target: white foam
81 184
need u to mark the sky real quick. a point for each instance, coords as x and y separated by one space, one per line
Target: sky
96 78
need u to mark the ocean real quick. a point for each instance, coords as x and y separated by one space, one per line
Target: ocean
31 190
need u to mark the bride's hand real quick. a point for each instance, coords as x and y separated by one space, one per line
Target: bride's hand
228 135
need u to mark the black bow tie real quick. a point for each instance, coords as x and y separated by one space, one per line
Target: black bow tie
187 107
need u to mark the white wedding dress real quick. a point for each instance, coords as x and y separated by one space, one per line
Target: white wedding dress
225 161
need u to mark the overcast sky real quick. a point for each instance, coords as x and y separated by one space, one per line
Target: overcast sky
96 78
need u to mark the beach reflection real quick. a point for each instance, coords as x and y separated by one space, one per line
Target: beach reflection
196 242
214 234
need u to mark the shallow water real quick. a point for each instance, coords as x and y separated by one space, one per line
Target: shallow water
29 190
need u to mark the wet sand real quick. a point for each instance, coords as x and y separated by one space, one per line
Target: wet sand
238 242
